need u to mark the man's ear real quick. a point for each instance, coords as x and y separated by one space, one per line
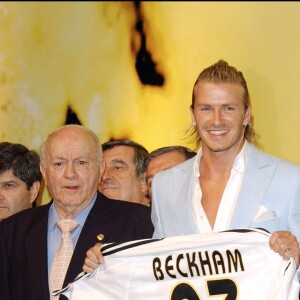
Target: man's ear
102 168
43 171
192 116
247 117
34 191
143 182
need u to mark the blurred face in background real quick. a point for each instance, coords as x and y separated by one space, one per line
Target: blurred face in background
14 195
162 162
119 180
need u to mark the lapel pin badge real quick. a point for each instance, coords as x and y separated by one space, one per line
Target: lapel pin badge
100 237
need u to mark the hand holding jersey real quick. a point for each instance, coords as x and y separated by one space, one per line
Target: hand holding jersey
286 245
93 259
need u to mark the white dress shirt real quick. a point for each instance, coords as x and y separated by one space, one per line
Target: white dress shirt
229 197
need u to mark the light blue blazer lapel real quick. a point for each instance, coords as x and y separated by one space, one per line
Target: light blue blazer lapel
184 193
256 180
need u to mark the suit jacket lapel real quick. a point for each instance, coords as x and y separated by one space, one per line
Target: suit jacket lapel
183 190
36 245
87 239
255 183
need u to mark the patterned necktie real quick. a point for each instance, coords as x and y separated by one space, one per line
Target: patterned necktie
63 255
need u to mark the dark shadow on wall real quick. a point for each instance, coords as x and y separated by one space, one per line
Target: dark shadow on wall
71 117
145 66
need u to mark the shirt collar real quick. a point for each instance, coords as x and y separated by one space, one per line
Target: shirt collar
239 163
240 160
53 217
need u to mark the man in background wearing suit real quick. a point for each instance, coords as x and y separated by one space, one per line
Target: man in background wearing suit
72 165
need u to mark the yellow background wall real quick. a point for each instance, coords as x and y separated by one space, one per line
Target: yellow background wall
82 55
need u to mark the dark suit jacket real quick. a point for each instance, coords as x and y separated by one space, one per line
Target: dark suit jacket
23 244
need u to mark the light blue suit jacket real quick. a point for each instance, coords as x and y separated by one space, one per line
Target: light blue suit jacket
270 184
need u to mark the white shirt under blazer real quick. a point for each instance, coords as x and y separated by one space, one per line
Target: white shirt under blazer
269 197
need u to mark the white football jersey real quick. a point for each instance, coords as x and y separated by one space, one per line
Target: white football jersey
237 264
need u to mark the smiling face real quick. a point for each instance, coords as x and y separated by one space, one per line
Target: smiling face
219 113
72 169
14 195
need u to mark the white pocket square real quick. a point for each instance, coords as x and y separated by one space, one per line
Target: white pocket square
264 214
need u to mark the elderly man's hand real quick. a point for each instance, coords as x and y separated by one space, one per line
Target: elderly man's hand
93 258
